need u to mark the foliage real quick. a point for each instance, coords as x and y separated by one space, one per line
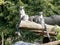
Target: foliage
57 28
9 18
49 7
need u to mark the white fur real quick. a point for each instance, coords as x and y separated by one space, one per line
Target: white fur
23 14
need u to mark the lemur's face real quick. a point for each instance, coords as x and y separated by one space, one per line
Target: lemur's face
21 7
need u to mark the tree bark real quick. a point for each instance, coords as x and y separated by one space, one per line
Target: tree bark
40 32
37 27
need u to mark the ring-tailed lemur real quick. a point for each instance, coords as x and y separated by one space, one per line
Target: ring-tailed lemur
23 16
43 24
40 19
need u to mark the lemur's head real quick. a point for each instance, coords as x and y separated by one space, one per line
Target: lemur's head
21 7
41 13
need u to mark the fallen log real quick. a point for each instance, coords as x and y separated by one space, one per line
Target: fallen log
30 25
40 32
52 43
34 26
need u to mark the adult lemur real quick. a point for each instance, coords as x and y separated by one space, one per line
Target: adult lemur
43 24
23 16
40 20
